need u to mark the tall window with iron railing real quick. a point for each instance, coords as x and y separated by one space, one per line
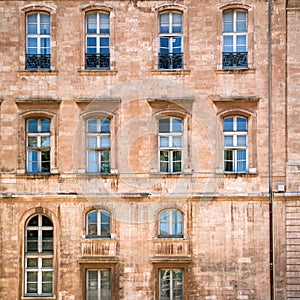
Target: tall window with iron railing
170 54
38 41
97 55
235 39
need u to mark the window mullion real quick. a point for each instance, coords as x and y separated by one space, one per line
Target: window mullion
40 277
99 285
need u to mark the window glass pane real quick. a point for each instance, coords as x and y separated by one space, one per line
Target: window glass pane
228 124
92 161
164 125
91 23
32 141
92 285
45 141
45 125
32 126
104 23
32 42
92 126
104 42
241 43
227 43
105 217
32 24
177 125
32 286
47 240
47 263
105 126
164 23
242 140
177 141
164 288
91 42
46 221
176 45
105 230
105 285
33 221
92 142
228 140
177 284
176 155
45 161
32 240
92 223
104 141
228 160
164 45
163 141
177 23
32 162
241 18
241 124
47 278
228 21
32 262
44 24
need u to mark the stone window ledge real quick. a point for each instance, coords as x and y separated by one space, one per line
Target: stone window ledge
97 72
235 71
37 73
170 72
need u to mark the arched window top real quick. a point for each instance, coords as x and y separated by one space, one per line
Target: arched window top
170 223
236 112
103 114
236 5
96 7
164 7
39 7
98 223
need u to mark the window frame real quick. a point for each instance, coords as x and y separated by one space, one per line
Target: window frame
169 58
99 135
170 149
249 9
99 281
99 224
101 61
40 254
39 149
170 222
171 281
235 148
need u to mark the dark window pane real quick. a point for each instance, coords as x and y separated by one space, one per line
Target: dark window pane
164 125
105 126
32 262
46 221
34 221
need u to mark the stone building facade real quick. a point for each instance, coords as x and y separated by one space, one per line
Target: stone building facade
150 150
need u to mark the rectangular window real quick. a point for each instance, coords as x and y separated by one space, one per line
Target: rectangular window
170 141
235 144
98 284
170 284
38 146
38 41
98 146
97 41
235 45
170 54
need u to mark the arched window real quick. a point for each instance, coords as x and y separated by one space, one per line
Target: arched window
98 224
38 41
38 145
170 41
39 257
170 143
97 41
98 145
235 39
235 131
170 223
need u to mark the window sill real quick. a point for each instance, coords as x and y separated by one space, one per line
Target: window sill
96 175
170 72
97 72
38 298
37 175
37 73
235 175
235 71
158 174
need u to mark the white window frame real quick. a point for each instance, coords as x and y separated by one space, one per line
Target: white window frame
171 283
235 148
39 36
170 222
99 281
235 33
170 149
39 149
170 35
99 223
39 255
99 150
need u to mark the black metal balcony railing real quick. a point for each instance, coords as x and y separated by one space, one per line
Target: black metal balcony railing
235 60
38 62
97 61
170 61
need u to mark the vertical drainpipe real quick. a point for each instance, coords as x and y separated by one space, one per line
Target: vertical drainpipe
271 229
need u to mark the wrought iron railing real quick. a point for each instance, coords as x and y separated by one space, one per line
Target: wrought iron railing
38 62
170 61
234 60
97 61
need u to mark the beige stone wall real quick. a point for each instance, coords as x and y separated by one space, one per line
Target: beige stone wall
225 250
